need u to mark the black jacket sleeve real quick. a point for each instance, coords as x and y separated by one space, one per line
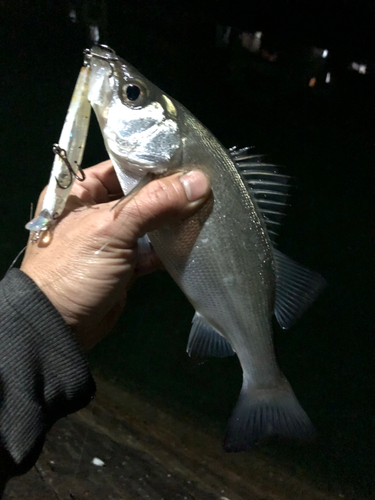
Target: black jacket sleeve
43 373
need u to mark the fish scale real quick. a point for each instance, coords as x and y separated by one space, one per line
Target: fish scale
222 258
249 302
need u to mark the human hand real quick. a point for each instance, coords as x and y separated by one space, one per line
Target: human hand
86 262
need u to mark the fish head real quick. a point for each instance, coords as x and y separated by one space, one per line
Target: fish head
139 122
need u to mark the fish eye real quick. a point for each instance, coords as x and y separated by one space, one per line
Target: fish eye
134 94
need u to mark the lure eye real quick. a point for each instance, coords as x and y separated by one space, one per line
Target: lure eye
134 94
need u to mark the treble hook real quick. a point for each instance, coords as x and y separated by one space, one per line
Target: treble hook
62 155
89 54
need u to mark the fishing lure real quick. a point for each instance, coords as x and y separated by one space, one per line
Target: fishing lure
68 156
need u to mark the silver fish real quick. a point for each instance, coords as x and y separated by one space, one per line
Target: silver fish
222 258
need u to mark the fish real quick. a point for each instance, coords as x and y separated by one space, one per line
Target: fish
223 258
68 156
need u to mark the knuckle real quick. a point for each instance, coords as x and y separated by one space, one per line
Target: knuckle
136 210
158 192
135 213
165 194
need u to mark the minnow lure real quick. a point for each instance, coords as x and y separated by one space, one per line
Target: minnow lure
68 156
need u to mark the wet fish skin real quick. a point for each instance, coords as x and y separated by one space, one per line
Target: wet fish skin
221 258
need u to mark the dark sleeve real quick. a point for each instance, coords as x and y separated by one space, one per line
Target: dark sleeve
43 373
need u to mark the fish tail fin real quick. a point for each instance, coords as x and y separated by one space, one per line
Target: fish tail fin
265 412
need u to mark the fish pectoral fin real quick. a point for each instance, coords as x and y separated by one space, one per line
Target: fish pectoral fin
261 413
296 289
205 340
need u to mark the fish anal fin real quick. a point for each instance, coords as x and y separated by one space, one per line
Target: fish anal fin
205 340
296 289
263 413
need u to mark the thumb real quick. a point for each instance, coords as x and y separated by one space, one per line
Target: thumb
163 201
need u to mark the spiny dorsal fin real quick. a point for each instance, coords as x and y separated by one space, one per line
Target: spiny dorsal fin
296 286
267 183
205 340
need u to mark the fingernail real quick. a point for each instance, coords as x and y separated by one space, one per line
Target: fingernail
196 185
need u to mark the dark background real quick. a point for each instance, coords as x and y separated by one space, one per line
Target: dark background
325 137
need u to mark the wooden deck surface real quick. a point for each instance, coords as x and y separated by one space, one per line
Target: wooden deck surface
150 453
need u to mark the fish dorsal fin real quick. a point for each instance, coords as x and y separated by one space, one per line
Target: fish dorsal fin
296 286
205 340
296 289
268 185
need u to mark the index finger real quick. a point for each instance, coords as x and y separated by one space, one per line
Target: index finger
100 185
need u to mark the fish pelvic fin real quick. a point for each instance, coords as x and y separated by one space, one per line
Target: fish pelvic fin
261 413
205 340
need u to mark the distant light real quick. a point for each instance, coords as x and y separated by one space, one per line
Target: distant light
318 52
96 461
312 81
227 35
251 41
94 33
328 77
73 16
361 68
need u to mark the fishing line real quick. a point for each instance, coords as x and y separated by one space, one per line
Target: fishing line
24 248
16 258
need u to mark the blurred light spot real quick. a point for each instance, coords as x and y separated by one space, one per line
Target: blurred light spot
328 77
325 53
361 68
250 41
227 35
94 34
73 16
46 238
98 462
312 81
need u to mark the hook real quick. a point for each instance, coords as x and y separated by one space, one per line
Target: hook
109 59
62 154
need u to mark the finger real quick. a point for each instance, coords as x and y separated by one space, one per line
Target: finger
162 201
148 263
100 185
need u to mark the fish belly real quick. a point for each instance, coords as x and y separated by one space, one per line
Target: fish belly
221 260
